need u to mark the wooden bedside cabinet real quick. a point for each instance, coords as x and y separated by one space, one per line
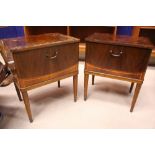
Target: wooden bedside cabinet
42 59
118 58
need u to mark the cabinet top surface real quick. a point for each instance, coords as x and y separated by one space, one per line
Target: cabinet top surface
37 41
105 38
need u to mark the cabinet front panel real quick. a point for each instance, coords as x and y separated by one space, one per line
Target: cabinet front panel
40 62
116 57
135 59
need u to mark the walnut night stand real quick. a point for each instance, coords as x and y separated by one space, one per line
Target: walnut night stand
42 59
118 57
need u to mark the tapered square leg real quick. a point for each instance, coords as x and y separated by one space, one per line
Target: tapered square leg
86 77
27 105
58 84
93 78
131 87
75 83
18 92
136 93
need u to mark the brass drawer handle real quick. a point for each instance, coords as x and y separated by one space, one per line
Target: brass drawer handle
116 54
52 57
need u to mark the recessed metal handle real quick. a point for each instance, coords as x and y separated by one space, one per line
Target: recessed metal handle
52 57
116 54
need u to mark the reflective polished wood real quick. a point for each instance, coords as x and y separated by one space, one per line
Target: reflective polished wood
118 57
42 59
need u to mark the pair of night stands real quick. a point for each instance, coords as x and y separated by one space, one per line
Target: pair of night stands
39 60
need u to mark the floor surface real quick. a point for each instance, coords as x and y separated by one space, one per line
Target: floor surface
107 106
